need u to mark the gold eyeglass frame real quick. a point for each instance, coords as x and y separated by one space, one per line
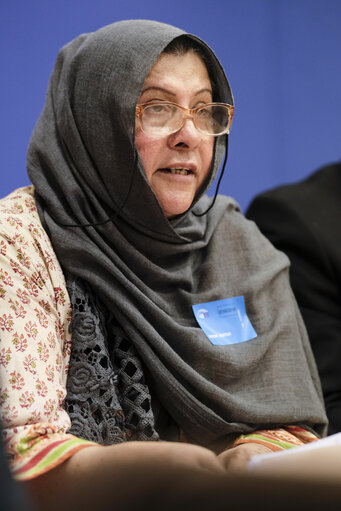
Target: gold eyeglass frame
190 113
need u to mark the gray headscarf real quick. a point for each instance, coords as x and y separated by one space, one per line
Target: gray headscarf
148 270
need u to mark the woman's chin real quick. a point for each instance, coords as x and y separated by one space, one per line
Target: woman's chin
176 207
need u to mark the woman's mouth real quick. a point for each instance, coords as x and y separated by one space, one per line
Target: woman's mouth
177 170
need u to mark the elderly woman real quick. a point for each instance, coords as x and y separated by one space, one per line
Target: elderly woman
133 309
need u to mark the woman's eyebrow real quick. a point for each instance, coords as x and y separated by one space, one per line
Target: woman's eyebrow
159 89
166 91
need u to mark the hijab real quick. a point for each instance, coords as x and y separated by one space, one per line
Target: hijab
108 229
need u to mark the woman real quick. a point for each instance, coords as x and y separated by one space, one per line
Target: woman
132 134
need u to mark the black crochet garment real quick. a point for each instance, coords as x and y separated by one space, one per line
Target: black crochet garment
107 398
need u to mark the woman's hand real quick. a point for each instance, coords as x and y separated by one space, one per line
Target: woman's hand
237 458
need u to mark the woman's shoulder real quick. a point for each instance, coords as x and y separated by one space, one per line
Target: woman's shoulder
24 243
19 203
236 222
19 218
243 235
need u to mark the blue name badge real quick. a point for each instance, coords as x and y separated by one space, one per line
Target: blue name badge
224 321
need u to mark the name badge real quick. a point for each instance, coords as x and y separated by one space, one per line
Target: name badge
224 321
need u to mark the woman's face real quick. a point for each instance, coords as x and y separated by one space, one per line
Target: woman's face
183 80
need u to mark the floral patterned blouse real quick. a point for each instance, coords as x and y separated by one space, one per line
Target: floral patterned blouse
35 313
34 341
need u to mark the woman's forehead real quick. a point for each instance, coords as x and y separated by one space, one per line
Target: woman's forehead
171 70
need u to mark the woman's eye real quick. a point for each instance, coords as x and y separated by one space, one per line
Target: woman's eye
205 113
159 109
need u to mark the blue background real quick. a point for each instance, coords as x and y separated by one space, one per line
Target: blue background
282 58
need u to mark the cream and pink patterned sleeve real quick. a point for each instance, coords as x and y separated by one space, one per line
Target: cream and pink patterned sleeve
34 343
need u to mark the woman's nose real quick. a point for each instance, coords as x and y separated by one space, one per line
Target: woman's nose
187 135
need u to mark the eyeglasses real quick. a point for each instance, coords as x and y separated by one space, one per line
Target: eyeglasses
158 119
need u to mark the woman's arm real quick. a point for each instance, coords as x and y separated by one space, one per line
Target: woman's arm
127 475
35 343
34 355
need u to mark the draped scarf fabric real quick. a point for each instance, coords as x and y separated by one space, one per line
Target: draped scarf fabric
147 270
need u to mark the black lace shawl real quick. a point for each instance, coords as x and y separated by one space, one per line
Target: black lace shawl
108 400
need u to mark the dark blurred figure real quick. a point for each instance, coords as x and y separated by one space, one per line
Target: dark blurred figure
12 494
304 221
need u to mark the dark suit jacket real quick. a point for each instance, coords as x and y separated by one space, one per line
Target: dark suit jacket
304 221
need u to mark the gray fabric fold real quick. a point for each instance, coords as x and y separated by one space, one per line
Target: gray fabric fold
149 271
